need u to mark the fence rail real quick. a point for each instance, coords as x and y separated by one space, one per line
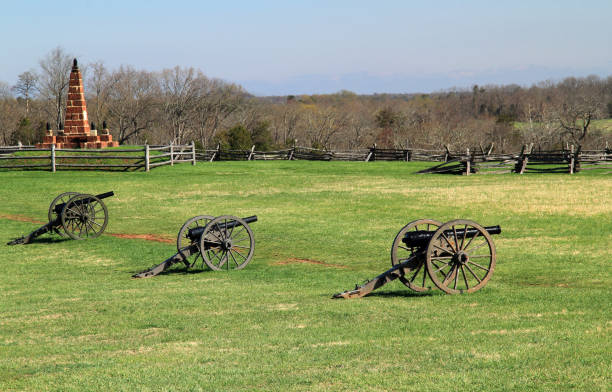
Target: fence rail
147 157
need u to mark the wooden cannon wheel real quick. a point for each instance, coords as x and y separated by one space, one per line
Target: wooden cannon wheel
183 241
227 242
458 263
53 215
416 278
84 216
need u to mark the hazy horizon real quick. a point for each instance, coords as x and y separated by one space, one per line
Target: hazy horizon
283 48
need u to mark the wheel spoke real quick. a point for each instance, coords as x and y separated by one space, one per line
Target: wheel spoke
449 276
478 265
442 249
478 247
223 259
448 242
240 246
93 221
233 258
472 272
424 275
470 241
416 272
240 254
467 286
441 268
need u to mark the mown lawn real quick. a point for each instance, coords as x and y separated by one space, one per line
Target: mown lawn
72 319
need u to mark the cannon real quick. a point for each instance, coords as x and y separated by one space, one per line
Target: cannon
456 257
77 215
224 242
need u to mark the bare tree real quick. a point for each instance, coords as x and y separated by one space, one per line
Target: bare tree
98 86
8 114
181 88
581 105
26 87
132 99
53 81
216 103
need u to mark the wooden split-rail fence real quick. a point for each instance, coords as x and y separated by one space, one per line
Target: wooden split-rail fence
471 161
570 160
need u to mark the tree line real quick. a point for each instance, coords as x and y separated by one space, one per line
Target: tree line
182 104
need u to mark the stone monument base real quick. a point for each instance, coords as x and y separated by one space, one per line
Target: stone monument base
78 141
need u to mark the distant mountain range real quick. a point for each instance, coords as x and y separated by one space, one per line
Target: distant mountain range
366 83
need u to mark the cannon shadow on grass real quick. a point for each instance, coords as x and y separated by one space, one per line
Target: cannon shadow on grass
403 293
49 240
180 271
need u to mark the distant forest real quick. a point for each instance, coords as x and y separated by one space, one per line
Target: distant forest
182 104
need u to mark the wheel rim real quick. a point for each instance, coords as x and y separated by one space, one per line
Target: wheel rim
183 240
84 216
415 278
53 216
227 243
459 263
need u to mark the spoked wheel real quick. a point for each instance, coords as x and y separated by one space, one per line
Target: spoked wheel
460 257
84 216
416 277
53 215
227 243
183 239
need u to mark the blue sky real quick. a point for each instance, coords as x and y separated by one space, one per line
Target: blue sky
304 47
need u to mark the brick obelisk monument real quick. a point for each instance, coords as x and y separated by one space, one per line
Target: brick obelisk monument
76 132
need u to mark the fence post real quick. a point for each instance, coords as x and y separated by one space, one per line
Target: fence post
251 153
193 154
468 163
147 158
571 160
53 158
172 154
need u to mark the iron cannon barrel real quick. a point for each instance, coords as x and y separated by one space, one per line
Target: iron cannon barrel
60 207
421 238
198 231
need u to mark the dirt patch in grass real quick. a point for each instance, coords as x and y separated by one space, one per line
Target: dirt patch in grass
21 218
147 237
295 260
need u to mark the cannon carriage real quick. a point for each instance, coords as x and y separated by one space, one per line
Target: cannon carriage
76 215
224 242
456 257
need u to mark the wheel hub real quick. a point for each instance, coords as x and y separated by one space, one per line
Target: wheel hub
227 244
461 258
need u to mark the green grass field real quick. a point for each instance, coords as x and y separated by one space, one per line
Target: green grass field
72 319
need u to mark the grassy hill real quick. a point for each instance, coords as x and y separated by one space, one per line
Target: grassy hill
74 320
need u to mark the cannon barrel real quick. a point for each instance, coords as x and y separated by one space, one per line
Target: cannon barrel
60 207
196 233
421 238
